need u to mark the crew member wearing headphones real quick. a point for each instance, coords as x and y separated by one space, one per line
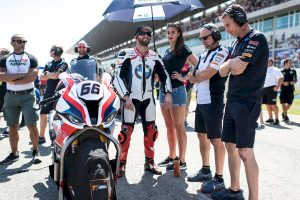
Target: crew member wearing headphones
247 66
50 73
210 105
83 50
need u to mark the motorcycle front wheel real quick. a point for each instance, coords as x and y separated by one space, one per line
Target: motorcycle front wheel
88 173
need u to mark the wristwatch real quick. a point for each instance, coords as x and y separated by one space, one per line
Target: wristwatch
45 73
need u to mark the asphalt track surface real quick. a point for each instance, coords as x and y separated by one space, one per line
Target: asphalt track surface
277 151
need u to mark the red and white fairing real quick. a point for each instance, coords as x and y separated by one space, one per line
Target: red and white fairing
73 111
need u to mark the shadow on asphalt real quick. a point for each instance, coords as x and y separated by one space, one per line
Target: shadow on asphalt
188 128
46 192
261 127
6 173
294 123
43 150
164 188
280 126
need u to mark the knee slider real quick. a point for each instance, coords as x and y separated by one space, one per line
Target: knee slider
152 131
125 133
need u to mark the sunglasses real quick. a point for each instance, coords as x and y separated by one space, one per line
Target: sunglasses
142 33
205 37
81 47
20 41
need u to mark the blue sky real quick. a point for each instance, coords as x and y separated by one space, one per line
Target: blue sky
47 22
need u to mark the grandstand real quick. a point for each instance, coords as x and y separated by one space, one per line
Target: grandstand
279 20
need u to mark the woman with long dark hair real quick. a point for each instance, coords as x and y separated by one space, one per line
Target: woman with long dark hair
174 59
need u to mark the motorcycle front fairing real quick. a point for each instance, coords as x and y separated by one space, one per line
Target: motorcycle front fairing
77 106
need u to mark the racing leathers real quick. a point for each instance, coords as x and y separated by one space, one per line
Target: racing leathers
134 77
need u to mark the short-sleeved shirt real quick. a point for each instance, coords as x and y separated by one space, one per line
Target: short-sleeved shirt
248 85
175 62
54 67
289 76
18 63
272 77
212 90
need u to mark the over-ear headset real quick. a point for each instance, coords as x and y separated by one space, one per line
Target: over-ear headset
57 51
215 34
88 49
238 16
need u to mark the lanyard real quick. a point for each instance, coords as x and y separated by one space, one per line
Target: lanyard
18 62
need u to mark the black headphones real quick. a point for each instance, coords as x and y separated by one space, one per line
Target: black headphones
88 49
215 34
237 15
58 51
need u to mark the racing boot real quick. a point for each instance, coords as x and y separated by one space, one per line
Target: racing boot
150 166
122 169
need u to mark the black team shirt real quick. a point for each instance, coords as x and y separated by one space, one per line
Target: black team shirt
175 63
248 85
289 76
54 66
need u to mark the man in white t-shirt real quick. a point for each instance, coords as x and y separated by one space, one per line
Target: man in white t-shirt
210 106
274 79
19 70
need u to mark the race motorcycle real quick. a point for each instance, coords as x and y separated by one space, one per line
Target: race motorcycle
81 128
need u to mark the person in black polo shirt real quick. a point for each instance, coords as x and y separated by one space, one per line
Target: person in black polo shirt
19 70
287 88
51 73
247 67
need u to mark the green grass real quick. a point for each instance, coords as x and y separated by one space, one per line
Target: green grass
297 91
295 109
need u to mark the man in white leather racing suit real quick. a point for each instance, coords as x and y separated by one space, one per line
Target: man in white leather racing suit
134 81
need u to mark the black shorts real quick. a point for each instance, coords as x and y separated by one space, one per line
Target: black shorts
49 107
208 119
239 123
269 96
286 97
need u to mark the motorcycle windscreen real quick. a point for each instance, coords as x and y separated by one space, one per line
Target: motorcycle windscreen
86 68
